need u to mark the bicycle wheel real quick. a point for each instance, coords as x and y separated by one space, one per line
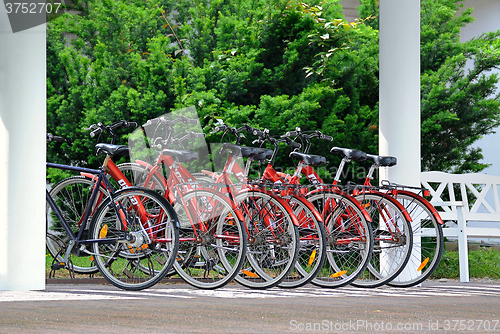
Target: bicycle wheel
137 174
393 240
212 242
72 196
150 225
349 239
428 242
312 251
273 245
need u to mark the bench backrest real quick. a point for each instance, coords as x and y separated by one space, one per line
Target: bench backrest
479 194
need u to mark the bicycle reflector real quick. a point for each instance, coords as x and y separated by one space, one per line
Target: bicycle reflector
250 274
311 258
423 264
103 232
338 273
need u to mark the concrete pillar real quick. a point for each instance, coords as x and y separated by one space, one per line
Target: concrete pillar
399 94
399 127
22 157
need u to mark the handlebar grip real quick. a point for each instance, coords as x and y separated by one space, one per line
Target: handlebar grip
96 132
132 124
153 121
290 134
217 129
329 138
51 137
296 145
198 135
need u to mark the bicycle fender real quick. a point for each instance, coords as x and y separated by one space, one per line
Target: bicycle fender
280 200
433 210
390 199
224 197
144 163
309 205
351 198
89 176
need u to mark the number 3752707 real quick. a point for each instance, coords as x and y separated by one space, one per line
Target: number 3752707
32 7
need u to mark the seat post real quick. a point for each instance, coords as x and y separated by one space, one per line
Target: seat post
341 168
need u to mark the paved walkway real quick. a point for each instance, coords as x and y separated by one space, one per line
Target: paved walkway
178 308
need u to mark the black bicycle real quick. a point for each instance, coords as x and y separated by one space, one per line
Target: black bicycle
131 235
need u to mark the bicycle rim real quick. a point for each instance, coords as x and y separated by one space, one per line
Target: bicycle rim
428 243
72 196
273 246
212 240
349 239
392 241
148 255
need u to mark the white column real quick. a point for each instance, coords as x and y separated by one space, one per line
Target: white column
399 91
22 157
399 119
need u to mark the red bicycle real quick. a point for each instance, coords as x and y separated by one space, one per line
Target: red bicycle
311 254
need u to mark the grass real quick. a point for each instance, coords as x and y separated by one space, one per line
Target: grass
483 263
64 273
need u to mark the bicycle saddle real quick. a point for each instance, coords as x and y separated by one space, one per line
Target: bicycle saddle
256 153
355 155
112 150
311 160
181 156
382 161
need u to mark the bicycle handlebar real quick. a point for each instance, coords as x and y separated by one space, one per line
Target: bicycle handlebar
50 137
160 142
307 137
100 128
163 120
316 133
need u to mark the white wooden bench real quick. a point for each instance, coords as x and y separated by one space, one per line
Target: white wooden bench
483 205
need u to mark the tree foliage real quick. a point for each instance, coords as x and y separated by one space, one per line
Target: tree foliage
460 96
275 64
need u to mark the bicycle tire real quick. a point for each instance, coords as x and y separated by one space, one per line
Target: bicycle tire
211 252
272 249
428 249
393 239
136 174
349 238
153 246
312 250
72 196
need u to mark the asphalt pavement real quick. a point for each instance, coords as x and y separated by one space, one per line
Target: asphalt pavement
436 307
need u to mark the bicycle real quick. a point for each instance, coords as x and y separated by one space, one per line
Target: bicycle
255 201
133 235
428 239
349 238
212 234
426 224
390 222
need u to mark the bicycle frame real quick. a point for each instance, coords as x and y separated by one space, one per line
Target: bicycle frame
394 193
232 168
122 180
180 183
77 240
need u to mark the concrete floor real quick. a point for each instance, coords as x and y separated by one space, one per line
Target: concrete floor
178 308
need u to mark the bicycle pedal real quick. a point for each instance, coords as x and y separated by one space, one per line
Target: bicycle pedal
58 265
160 260
128 273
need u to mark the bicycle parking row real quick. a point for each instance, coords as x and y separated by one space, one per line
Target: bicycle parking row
212 227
